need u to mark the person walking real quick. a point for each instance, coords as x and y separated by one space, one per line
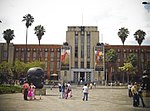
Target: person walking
68 92
32 86
140 95
59 88
129 90
62 91
135 95
25 88
85 92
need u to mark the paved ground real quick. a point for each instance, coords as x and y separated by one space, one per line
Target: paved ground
100 99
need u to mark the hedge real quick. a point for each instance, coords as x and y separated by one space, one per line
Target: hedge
6 89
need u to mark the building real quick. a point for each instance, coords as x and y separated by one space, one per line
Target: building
49 54
81 42
142 54
81 57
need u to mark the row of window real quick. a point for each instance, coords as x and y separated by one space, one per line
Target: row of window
39 49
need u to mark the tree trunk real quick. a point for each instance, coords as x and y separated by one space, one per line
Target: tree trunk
7 51
39 52
25 58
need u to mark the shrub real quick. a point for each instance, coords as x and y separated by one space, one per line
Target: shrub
6 89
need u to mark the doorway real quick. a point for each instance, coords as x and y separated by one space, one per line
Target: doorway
82 76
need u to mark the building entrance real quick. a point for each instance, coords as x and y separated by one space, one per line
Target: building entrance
82 76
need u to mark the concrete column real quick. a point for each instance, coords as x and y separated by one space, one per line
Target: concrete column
78 76
85 76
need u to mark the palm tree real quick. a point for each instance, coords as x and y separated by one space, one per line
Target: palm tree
8 35
123 34
139 36
29 20
39 31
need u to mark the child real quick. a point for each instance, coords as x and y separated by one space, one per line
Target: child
33 88
31 92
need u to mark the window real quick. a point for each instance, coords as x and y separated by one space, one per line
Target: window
118 58
125 57
40 55
148 56
5 55
58 65
46 55
88 44
22 56
88 51
88 64
58 55
17 55
28 56
82 51
88 38
76 40
82 64
76 52
51 66
52 56
76 64
46 65
34 54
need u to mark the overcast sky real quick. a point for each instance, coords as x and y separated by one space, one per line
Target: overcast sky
57 15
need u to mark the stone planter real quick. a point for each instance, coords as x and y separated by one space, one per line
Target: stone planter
40 91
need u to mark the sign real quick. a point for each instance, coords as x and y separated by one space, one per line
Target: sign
65 54
99 59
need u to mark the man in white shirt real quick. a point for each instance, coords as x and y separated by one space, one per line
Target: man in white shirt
85 92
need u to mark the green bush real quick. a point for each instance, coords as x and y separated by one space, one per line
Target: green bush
6 89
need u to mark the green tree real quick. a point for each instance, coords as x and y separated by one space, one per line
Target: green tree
123 34
128 69
34 64
8 35
147 66
39 31
111 57
139 36
131 58
5 72
19 68
29 20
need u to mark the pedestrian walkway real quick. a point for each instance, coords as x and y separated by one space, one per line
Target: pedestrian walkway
105 99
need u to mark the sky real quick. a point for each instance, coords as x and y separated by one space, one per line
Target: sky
56 15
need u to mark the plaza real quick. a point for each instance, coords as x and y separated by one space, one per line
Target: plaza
101 98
